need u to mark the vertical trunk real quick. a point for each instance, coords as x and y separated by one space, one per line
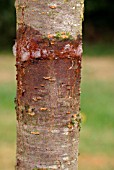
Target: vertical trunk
48 60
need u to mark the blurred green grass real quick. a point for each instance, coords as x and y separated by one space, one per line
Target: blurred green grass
100 49
97 134
97 101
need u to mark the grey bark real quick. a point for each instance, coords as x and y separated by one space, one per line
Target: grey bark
48 60
49 16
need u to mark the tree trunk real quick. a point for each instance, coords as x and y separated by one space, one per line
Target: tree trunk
48 60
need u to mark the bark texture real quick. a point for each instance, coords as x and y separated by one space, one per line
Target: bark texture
48 53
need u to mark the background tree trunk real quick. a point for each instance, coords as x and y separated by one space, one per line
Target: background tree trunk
48 60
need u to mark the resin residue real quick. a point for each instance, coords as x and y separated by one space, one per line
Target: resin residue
31 44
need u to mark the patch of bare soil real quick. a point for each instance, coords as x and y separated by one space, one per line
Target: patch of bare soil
7 69
98 68
97 162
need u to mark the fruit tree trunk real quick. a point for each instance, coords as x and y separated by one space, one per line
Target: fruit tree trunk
48 53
